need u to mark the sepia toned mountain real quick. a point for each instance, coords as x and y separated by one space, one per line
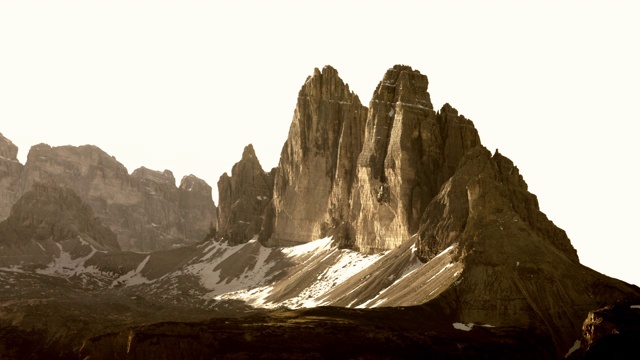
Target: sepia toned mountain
386 231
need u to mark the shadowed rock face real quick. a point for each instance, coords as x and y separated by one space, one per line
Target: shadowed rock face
243 197
48 215
10 171
315 174
145 209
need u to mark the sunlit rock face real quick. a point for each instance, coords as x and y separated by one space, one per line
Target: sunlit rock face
145 209
314 178
10 171
409 151
363 176
242 199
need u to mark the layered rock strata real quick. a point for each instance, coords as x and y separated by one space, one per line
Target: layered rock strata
242 199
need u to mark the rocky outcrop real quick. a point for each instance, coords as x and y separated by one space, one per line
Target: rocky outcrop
315 174
611 332
364 176
242 199
143 208
409 152
10 171
49 220
196 206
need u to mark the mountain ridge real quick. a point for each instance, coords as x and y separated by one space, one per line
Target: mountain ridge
373 213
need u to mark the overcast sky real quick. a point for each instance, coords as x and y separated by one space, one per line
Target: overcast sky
185 85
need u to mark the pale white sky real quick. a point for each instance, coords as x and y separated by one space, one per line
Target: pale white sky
185 85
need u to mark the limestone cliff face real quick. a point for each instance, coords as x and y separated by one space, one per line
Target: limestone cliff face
47 220
409 151
142 208
243 198
196 207
10 171
363 175
314 178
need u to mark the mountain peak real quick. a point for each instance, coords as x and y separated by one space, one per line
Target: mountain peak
248 152
403 84
7 149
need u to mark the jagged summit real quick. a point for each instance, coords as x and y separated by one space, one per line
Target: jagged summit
242 199
248 152
7 148
165 176
403 84
145 209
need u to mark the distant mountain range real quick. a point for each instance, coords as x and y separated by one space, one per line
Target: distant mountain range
386 231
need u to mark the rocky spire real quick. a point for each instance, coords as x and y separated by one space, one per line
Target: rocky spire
408 152
314 178
242 199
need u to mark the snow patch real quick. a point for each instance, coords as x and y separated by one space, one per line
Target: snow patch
134 277
445 250
463 327
303 249
64 264
576 346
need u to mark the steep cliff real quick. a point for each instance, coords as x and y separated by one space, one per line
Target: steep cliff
10 171
364 176
196 207
143 208
408 153
243 198
314 178
519 269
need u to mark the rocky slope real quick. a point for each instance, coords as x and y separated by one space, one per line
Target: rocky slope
10 171
145 209
243 198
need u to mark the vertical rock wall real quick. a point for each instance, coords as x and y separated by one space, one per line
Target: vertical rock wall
313 180
10 171
242 199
